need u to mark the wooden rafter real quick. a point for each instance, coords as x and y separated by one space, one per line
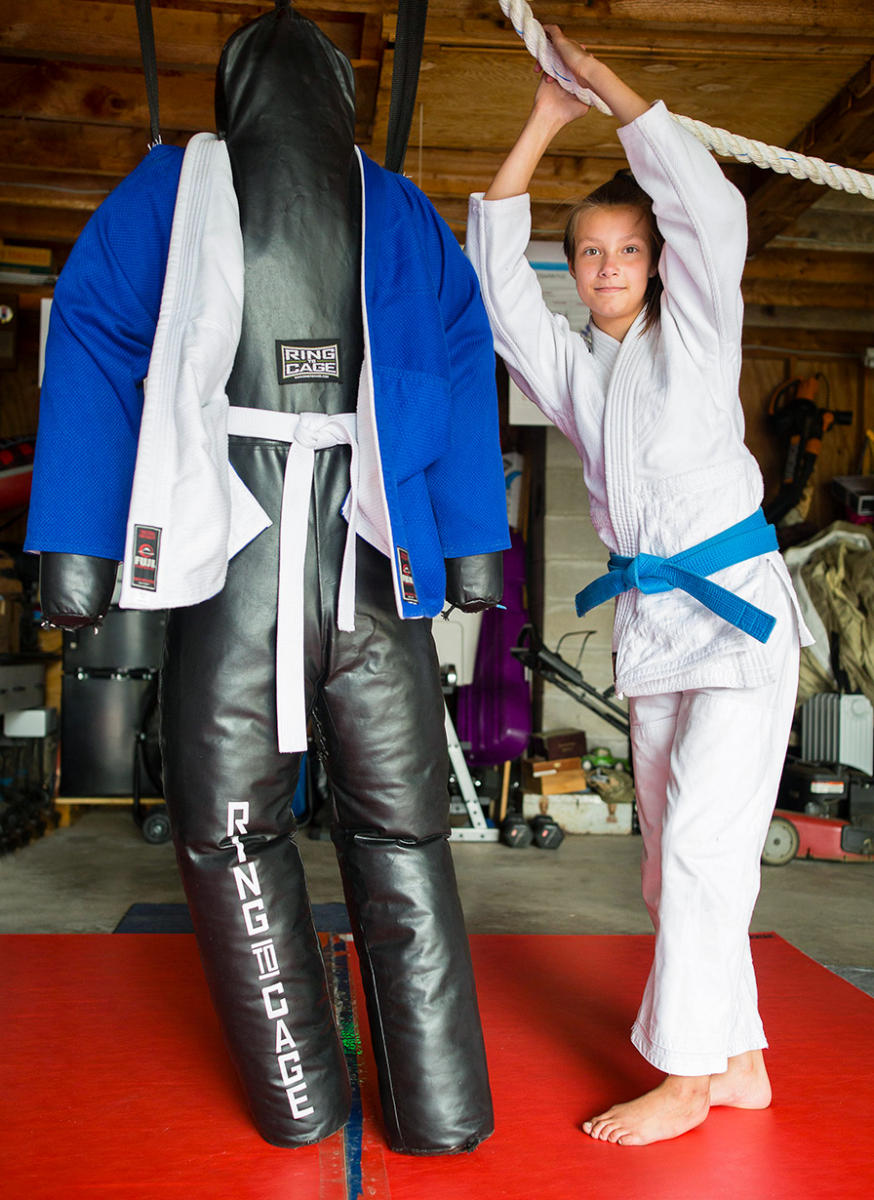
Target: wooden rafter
842 133
106 31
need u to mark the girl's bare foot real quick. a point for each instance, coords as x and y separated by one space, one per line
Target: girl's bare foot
677 1105
745 1084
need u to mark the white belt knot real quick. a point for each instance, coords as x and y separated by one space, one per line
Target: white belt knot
315 431
305 433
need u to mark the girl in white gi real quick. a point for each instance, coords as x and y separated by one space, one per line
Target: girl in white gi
649 397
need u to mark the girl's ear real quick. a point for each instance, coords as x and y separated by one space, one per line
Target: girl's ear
570 267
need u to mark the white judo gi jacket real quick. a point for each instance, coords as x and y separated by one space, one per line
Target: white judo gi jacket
656 419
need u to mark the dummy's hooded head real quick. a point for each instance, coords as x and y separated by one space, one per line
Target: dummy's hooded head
280 81
285 104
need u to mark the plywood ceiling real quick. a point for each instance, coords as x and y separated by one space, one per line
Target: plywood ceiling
74 117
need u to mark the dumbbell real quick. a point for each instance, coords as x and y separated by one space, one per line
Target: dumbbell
515 831
546 832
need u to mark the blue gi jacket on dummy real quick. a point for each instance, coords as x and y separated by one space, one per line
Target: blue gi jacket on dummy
431 357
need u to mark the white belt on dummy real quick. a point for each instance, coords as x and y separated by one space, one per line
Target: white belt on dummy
305 433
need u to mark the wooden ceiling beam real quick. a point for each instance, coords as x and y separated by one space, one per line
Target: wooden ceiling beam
97 31
99 95
611 38
815 318
23 176
842 133
29 196
559 178
71 148
189 36
811 266
547 220
194 33
36 226
813 17
797 293
761 342
816 229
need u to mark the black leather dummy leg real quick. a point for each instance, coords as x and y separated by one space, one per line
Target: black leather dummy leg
381 717
418 981
229 792
380 713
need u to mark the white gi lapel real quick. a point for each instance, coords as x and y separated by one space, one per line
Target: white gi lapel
189 510
620 439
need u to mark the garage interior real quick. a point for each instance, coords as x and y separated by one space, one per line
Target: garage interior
799 74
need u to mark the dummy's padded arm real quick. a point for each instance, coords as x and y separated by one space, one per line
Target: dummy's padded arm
75 589
475 582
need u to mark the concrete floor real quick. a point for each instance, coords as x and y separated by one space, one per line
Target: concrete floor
82 879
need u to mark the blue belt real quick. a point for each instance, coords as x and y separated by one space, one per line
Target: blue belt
689 570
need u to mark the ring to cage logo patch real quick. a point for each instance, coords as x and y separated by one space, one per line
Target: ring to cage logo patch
408 588
308 361
147 540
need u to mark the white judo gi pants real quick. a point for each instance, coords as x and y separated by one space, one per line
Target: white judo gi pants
707 765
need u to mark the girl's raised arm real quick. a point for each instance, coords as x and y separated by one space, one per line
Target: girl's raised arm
552 109
699 213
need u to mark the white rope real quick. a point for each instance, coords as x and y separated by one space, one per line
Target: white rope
784 162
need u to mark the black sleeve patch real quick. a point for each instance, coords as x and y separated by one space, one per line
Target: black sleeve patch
408 587
147 542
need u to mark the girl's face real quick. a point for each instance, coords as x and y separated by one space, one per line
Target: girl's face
613 265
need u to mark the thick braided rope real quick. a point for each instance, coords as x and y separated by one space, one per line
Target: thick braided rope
784 162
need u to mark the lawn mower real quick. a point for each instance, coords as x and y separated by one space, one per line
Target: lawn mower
824 811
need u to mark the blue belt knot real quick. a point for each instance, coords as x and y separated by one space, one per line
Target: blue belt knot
689 570
642 572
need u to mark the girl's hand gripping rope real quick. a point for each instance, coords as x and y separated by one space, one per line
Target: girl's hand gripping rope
590 73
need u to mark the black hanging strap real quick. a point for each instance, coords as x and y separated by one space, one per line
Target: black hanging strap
409 40
150 67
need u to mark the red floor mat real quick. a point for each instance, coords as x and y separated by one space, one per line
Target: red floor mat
114 1084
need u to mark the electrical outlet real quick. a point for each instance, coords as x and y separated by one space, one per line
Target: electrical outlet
869 358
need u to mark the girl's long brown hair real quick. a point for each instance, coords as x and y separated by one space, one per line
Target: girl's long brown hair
622 191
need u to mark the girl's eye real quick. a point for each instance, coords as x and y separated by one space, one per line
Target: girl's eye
632 249
590 250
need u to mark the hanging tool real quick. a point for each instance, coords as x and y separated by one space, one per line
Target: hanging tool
795 417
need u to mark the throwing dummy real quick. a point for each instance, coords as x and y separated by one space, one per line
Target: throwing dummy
269 390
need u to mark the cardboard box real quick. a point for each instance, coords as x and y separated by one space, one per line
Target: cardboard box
559 743
553 766
549 777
